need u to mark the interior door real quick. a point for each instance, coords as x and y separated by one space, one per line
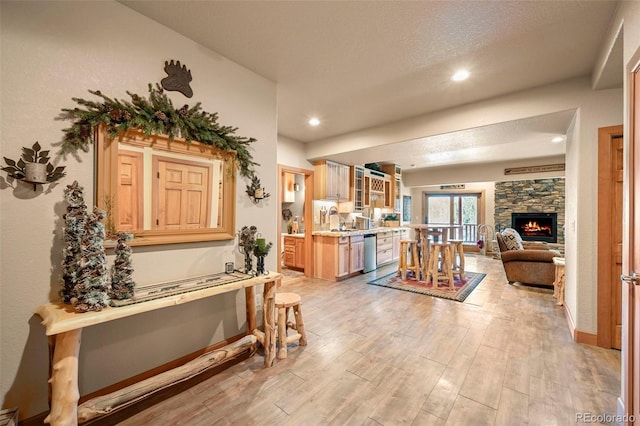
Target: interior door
631 259
182 191
610 192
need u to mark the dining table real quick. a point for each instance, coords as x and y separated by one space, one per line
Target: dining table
446 230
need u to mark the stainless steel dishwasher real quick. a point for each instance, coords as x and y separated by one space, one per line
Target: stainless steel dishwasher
369 253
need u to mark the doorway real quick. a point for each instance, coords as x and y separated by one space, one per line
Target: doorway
610 183
295 222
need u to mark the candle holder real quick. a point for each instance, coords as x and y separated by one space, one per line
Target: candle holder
261 252
255 191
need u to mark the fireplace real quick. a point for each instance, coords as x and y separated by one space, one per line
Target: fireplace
536 226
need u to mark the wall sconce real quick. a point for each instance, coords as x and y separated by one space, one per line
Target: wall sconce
34 167
255 191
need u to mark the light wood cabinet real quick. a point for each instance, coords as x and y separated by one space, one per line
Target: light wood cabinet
395 193
288 192
331 181
294 252
357 188
343 257
356 253
384 247
336 257
395 249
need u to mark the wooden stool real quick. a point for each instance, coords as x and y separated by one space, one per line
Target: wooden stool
423 255
284 301
445 271
403 263
457 251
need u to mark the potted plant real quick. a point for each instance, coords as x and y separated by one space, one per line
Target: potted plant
391 220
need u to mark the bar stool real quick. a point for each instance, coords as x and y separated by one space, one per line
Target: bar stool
457 250
440 254
410 246
283 302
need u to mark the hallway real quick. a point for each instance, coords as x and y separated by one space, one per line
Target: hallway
380 356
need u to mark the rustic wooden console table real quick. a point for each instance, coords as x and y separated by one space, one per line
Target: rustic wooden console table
64 327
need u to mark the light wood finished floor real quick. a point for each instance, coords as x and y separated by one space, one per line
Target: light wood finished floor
378 356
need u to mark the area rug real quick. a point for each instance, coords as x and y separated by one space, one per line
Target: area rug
460 291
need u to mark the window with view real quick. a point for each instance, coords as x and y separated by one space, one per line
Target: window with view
455 209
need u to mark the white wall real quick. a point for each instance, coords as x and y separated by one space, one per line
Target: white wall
51 52
292 153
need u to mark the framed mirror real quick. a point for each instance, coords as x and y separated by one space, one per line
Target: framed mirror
163 191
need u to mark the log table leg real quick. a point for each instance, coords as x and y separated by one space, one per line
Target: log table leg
250 303
64 379
269 311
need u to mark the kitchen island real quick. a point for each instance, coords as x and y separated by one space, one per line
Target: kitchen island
340 254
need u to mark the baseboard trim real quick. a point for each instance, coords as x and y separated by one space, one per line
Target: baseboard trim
578 335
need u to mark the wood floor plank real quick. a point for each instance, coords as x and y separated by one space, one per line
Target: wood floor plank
513 408
379 356
468 412
484 380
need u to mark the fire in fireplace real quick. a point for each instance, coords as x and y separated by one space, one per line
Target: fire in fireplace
536 226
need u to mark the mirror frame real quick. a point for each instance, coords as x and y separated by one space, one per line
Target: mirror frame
106 161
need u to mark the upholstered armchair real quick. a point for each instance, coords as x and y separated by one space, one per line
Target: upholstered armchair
529 263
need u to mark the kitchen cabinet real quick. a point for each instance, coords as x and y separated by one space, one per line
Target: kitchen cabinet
331 181
384 247
288 183
356 253
343 257
294 252
357 188
337 257
395 193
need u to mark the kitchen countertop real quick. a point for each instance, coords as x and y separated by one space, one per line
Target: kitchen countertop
357 231
293 235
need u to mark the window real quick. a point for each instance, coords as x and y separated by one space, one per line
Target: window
455 209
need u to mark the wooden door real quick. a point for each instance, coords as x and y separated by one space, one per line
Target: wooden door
610 191
631 258
182 189
130 199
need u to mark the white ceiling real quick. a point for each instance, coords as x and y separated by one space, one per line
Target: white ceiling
361 64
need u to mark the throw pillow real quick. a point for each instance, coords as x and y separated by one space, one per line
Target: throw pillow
512 239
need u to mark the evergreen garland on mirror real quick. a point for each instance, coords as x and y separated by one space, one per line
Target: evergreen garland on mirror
122 285
155 115
91 291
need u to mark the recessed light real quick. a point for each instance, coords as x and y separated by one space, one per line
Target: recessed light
314 121
557 139
460 75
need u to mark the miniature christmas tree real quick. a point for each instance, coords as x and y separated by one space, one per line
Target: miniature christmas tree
122 285
73 235
91 289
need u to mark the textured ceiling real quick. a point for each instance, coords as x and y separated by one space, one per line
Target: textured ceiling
360 64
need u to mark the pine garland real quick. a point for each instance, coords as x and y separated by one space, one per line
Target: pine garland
155 115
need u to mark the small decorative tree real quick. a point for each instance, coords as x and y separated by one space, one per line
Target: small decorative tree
247 240
122 285
92 286
74 231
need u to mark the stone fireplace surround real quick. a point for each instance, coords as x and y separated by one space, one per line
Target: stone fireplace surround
530 196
